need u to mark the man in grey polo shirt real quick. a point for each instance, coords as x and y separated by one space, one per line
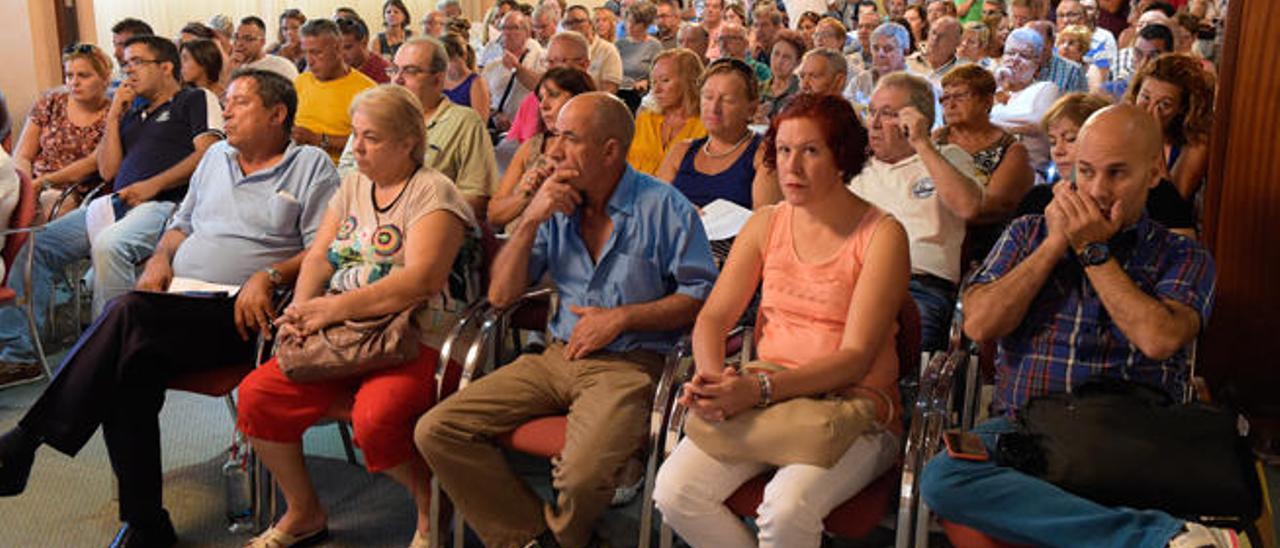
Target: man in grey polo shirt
254 205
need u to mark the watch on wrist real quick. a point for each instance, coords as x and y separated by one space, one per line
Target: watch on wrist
274 276
324 140
1094 254
766 390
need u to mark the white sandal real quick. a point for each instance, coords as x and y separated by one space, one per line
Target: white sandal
275 538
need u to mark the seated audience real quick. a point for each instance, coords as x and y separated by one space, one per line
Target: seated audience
1131 318
354 45
1152 41
734 45
121 32
937 9
351 273
434 24
832 272
638 51
766 21
806 24
57 143
606 62
566 49
116 375
1000 162
695 38
605 23
1067 75
673 114
1101 53
822 71
9 190
917 22
461 77
668 23
788 48
325 90
543 22
726 164
711 19
832 34
1177 91
151 146
890 44
931 190
531 165
974 40
457 144
1020 100
509 66
289 38
201 65
622 306
395 23
1062 122
246 50
939 55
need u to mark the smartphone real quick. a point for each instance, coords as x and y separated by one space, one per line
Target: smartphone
965 446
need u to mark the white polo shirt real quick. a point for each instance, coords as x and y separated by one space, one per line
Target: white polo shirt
606 62
497 76
906 191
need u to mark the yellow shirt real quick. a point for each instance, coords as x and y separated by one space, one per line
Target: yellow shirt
647 152
322 106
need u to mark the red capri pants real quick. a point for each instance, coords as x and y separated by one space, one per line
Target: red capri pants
387 405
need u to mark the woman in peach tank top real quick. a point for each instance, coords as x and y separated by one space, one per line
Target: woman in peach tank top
833 271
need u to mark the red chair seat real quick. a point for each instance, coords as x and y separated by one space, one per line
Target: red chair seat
857 517
7 295
967 537
214 382
543 436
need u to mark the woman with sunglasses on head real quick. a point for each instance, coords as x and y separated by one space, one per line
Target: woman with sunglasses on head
56 148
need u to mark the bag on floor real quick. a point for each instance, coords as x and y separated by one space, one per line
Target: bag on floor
1122 443
350 349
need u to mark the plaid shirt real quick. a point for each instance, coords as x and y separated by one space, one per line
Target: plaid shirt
1067 336
1068 74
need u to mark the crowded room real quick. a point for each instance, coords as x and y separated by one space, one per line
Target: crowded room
640 273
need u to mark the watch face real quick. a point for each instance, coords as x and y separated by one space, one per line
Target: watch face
1095 254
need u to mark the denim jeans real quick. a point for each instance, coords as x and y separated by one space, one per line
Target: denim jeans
1017 507
116 254
935 304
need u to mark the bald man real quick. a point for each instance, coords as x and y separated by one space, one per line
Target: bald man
1092 288
630 261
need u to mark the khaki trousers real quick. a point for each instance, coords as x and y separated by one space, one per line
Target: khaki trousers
607 397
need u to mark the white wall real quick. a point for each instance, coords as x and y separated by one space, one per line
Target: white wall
29 55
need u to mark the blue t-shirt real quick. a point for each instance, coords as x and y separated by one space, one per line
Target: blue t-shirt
154 141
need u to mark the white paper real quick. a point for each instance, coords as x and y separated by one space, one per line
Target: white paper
188 285
723 219
98 215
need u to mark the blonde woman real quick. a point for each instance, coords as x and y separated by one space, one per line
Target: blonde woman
673 114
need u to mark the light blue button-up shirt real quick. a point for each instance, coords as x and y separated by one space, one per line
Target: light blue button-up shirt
237 225
658 247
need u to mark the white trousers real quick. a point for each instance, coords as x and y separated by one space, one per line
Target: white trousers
692 487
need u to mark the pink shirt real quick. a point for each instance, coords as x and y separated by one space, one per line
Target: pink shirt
525 124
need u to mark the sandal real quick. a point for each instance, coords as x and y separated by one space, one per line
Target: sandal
420 541
275 538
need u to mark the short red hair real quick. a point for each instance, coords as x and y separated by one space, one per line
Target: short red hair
840 128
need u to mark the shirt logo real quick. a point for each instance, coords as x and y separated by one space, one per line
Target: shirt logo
922 188
162 117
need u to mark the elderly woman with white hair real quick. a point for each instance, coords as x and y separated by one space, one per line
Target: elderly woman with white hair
1021 101
890 44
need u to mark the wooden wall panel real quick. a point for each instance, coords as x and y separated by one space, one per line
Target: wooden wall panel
1242 212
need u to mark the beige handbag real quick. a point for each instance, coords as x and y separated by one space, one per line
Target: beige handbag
815 431
351 348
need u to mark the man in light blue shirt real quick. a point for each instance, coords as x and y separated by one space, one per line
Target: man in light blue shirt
254 204
632 265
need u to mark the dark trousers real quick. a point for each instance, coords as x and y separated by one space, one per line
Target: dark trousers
115 376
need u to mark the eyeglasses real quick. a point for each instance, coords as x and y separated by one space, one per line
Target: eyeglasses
78 48
884 114
408 71
1025 55
135 63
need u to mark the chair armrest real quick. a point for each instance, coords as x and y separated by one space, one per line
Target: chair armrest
669 433
23 230
489 321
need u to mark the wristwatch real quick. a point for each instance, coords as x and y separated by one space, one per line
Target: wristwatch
274 276
1094 254
324 140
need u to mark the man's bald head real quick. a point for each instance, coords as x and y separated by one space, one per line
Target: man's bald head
595 134
607 116
1119 151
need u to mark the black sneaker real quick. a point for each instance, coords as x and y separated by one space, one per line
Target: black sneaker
17 453
150 535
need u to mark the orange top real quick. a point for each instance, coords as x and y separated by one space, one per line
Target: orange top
804 306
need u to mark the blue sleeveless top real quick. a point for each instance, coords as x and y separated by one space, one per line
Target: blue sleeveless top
461 95
733 184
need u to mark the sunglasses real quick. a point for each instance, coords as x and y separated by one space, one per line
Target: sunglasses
78 48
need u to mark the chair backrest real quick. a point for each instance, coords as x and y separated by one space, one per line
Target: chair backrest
907 341
23 216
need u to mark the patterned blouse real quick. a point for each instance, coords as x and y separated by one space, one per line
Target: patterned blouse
61 140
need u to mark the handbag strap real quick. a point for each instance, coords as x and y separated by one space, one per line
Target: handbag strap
511 83
766 367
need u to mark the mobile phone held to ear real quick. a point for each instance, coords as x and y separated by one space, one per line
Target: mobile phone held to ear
965 446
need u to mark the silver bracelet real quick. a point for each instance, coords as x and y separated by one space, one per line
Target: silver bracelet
766 390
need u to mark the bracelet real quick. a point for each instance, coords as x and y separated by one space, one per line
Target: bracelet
324 140
766 390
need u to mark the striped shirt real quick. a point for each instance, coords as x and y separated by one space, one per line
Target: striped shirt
1067 336
1068 74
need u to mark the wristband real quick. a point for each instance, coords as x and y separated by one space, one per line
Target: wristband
766 390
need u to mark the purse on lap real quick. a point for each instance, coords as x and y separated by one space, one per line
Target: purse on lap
1121 443
350 349
805 430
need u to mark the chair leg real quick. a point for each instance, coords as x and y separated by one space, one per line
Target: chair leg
344 430
459 530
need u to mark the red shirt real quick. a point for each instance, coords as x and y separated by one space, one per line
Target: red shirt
375 67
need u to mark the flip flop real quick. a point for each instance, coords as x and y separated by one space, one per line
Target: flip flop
275 538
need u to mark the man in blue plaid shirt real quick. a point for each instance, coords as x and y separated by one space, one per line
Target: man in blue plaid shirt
1093 288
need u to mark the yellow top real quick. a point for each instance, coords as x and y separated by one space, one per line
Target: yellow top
647 150
322 106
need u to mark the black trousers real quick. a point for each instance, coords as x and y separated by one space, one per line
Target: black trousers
115 376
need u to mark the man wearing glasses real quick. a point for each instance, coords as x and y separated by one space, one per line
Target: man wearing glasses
509 65
606 62
457 142
246 50
325 90
156 132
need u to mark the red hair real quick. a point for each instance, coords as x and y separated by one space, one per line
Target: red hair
841 131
